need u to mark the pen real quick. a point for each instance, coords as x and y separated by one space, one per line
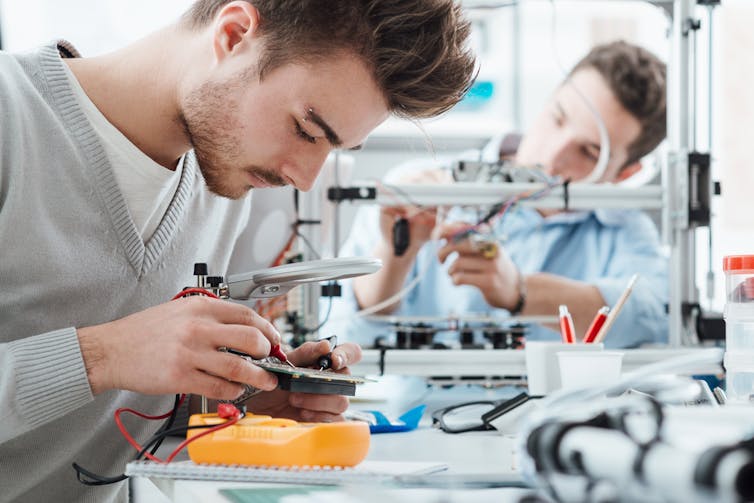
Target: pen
615 310
566 325
597 323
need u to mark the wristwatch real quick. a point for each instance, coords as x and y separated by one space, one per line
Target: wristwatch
516 310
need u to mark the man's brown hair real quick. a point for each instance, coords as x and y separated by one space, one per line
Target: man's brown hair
637 78
417 49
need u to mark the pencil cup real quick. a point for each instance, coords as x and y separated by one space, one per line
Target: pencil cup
583 369
542 369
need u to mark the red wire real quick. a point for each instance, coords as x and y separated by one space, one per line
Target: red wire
183 444
178 449
288 245
193 291
128 436
118 412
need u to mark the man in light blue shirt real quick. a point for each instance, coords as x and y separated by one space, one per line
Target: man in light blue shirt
582 259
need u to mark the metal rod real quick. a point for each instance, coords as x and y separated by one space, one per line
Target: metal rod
336 208
710 269
517 68
580 196
683 252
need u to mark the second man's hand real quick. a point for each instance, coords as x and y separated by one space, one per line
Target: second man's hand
495 276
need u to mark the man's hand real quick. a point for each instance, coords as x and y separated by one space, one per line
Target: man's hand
421 221
375 288
309 407
494 275
173 348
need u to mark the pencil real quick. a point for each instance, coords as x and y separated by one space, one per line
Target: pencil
615 310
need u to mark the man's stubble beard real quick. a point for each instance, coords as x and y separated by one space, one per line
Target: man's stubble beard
208 117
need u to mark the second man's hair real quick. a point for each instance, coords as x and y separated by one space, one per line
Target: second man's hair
637 78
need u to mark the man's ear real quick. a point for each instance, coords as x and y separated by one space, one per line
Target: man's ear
627 172
235 23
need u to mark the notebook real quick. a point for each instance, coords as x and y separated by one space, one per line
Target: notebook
367 471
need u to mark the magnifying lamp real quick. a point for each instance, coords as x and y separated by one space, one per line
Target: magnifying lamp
275 281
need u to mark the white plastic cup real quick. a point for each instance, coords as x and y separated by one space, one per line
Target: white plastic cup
584 369
542 369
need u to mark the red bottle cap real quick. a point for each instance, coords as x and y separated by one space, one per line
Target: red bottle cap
738 263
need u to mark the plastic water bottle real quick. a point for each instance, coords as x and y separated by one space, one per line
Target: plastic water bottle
739 327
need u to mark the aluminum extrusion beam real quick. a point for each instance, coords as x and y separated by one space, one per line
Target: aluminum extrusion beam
580 196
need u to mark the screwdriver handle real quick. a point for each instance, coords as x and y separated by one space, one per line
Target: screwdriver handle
325 361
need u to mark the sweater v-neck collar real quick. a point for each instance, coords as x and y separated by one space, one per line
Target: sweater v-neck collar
142 257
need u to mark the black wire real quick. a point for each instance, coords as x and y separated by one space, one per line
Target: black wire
297 224
95 479
167 424
403 194
99 480
438 416
154 441
306 241
494 210
322 324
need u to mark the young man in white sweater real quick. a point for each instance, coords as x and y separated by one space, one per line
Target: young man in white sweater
118 172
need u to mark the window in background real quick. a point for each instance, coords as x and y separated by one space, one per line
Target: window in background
524 49
93 26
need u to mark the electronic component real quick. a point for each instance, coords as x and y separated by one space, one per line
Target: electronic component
497 171
468 332
304 380
265 441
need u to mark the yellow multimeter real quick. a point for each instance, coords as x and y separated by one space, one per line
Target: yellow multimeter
266 441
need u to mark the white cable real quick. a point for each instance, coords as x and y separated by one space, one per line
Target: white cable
599 170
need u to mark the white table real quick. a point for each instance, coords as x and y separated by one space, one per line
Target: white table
471 457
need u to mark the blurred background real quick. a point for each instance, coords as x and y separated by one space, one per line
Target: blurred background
524 47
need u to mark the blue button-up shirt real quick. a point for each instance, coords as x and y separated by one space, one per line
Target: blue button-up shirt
603 247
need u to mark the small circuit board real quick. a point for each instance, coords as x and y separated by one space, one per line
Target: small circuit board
305 380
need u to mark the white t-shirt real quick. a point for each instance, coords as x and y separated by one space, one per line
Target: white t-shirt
147 186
